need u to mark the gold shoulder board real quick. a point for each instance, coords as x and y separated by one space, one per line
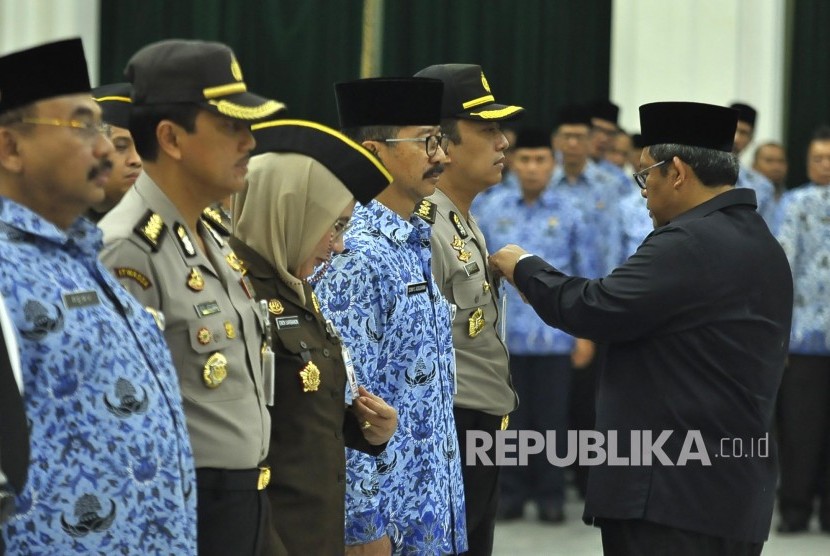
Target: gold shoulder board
151 229
213 218
427 211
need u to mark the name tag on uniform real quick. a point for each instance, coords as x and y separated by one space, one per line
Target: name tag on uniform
416 288
287 323
76 300
207 308
471 268
352 393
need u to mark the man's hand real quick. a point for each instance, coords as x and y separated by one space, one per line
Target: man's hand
583 353
503 262
377 418
380 547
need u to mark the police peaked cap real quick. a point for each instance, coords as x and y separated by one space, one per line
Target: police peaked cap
396 101
746 113
688 123
50 70
115 103
351 163
467 94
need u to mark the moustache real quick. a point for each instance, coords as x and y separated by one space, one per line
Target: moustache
434 172
105 166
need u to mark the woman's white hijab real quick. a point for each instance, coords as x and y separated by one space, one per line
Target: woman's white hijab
290 201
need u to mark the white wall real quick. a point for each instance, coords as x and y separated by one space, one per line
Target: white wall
714 51
26 23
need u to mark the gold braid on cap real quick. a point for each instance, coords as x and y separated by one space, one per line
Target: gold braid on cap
247 112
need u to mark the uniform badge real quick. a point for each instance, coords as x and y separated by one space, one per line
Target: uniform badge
235 262
427 211
184 240
464 256
486 286
476 323
203 336
458 244
132 274
195 281
472 268
208 308
505 421
275 307
310 376
215 370
151 229
459 226
230 332
315 302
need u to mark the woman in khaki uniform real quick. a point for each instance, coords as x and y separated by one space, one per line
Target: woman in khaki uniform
287 223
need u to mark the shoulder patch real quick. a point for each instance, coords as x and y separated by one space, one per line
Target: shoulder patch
213 218
151 229
427 211
459 226
131 273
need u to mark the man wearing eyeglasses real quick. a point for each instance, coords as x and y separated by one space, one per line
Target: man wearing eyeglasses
190 121
471 119
384 302
698 324
111 466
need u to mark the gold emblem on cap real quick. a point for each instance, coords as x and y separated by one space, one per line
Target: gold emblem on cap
275 307
235 262
215 370
315 302
195 281
230 332
484 83
203 336
310 376
476 323
236 69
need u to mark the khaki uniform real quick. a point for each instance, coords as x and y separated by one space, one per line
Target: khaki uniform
211 322
459 264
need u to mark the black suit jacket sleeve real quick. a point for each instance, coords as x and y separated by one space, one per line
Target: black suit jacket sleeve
659 282
353 436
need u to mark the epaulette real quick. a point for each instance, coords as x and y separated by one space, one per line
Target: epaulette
151 229
213 218
427 211
459 227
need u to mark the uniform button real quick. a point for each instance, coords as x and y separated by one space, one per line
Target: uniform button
325 352
303 345
308 317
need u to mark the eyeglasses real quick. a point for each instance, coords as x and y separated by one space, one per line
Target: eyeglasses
88 130
340 228
432 142
641 176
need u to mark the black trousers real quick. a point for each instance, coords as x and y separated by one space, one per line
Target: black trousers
636 537
481 492
234 518
804 439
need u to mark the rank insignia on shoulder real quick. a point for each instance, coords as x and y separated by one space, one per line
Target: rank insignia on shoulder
310 376
476 323
427 211
215 370
151 229
213 217
459 226
195 281
132 274
184 240
315 302
275 307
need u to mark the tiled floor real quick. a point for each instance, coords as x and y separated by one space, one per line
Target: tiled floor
529 537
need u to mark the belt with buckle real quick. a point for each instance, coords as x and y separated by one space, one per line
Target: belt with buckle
233 479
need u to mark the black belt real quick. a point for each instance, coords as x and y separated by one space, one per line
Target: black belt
233 479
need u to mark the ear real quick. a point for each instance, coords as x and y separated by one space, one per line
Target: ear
10 157
683 171
371 146
169 135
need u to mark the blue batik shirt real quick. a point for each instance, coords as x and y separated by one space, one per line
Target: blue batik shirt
595 194
111 469
389 312
551 228
635 223
802 225
764 191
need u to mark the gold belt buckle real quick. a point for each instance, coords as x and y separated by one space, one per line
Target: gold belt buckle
264 477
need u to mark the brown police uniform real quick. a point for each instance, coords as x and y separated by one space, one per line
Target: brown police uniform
310 421
211 323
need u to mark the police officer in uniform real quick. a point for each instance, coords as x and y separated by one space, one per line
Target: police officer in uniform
291 217
191 124
470 117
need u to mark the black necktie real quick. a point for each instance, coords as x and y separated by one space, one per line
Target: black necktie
14 430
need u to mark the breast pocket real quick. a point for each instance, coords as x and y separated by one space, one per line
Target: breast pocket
213 369
468 294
